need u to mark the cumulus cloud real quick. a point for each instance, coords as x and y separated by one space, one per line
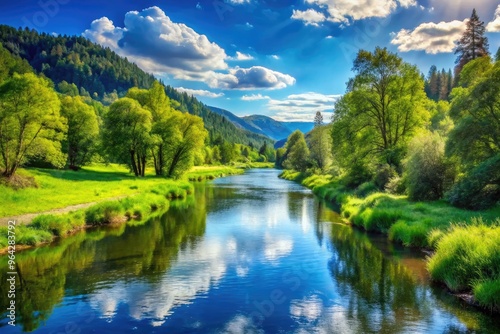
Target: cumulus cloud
255 97
200 92
255 77
157 45
303 107
276 57
309 17
342 11
494 26
430 37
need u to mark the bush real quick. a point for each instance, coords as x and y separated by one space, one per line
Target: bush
396 185
428 174
358 174
383 175
104 213
480 189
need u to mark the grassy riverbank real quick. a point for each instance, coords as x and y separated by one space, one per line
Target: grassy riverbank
62 188
466 243
144 197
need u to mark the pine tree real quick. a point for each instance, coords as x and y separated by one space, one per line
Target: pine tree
473 44
318 119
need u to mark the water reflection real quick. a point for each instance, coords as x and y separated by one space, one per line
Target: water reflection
247 254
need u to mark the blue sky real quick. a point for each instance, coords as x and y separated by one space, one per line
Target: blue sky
285 59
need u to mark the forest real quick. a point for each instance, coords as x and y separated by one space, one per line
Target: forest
417 158
82 103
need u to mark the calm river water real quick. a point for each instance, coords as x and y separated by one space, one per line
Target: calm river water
246 254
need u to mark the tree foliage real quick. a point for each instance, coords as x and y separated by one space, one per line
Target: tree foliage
320 147
30 123
473 44
297 152
126 134
83 131
383 108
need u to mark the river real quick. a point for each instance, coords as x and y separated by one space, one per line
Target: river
245 254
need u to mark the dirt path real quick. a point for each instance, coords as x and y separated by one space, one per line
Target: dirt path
28 217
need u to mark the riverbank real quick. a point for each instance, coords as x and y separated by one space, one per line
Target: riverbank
465 243
139 199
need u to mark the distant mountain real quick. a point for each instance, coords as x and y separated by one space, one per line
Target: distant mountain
265 125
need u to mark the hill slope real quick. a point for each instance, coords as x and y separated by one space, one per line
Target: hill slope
103 75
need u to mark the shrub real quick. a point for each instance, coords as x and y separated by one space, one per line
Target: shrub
383 175
358 173
396 185
480 189
428 174
104 213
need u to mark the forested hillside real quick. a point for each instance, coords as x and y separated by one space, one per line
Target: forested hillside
79 67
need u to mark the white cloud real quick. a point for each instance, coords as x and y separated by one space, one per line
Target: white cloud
241 56
276 57
255 97
430 37
238 2
494 26
303 107
310 16
157 45
200 92
255 77
343 10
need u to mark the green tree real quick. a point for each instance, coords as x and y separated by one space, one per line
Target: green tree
30 123
126 133
320 146
83 131
473 44
475 139
188 138
297 153
383 108
164 128
318 119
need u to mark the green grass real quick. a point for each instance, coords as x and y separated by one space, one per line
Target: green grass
201 173
414 224
62 188
148 196
467 258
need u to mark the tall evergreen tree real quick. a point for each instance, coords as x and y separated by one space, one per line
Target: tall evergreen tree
318 119
473 44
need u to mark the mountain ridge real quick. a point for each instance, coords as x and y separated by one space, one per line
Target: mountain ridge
264 125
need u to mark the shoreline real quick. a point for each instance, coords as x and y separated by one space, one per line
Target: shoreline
48 226
323 188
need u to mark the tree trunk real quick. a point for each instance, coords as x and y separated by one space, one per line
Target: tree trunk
132 162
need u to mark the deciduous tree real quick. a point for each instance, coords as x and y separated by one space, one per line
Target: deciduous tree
30 123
